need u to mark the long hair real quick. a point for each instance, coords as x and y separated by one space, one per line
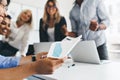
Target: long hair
29 22
46 16
8 2
0 1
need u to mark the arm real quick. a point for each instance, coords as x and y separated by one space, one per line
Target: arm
103 19
24 44
73 33
43 35
28 59
17 73
40 24
64 26
103 16
43 66
8 62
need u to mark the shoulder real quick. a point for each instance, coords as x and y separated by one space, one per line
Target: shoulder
74 9
94 1
27 27
41 20
13 25
62 18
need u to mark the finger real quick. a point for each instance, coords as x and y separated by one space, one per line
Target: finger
58 62
53 58
44 52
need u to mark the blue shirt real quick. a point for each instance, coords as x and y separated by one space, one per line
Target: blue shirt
8 62
80 17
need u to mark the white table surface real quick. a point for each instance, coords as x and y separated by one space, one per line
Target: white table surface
85 71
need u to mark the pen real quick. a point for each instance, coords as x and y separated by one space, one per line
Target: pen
38 77
68 39
71 65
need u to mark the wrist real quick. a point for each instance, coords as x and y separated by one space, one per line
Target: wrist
98 28
34 67
33 58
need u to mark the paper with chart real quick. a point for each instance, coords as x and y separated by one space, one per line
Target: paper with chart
63 48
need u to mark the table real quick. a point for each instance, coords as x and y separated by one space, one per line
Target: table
84 71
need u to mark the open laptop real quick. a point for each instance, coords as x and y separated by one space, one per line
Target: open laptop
42 47
86 51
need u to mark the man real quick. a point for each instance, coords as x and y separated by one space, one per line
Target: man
90 19
25 66
3 3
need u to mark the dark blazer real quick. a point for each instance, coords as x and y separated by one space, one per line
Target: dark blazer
43 35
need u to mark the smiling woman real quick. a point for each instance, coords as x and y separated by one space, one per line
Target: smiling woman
37 8
17 40
53 26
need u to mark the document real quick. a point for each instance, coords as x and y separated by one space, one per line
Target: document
62 49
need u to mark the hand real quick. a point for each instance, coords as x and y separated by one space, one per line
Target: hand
102 27
48 65
71 34
41 55
93 25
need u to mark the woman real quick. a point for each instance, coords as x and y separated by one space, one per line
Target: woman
17 40
52 27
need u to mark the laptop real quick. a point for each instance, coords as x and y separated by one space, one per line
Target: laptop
86 51
41 47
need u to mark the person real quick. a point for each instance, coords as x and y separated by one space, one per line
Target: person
26 66
53 26
90 19
41 66
17 40
5 23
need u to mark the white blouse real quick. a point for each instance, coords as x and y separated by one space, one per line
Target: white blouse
19 37
51 34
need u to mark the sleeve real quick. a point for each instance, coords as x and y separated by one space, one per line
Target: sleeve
42 32
102 14
63 21
73 23
24 44
9 62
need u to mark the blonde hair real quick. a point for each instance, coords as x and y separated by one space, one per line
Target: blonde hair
29 22
57 16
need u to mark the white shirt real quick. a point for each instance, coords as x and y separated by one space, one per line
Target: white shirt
80 18
51 34
19 37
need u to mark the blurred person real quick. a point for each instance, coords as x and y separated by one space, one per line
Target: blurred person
3 6
5 23
90 19
17 40
26 66
53 26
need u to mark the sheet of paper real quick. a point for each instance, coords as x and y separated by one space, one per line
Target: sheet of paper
63 48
